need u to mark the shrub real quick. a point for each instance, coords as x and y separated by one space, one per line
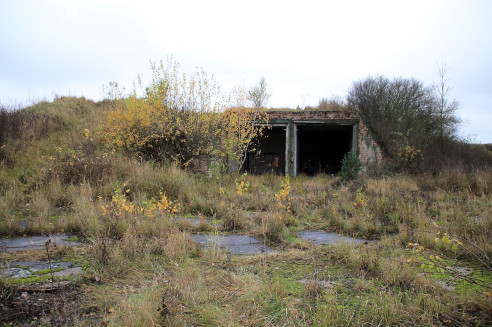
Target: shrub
177 119
86 163
351 166
181 120
239 132
283 196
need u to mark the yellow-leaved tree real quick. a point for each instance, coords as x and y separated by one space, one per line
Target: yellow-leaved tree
182 119
177 119
242 126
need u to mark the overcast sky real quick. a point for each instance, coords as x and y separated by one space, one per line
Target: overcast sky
305 49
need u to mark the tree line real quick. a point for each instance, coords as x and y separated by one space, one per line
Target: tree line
415 124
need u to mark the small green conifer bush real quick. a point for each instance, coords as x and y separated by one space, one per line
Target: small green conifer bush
351 166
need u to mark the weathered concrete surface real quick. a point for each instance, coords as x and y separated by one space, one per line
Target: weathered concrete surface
322 237
235 244
193 221
34 242
22 269
460 273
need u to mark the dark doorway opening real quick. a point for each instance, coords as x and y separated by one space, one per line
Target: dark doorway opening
270 154
320 148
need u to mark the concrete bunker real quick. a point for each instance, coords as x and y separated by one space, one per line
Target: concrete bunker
311 142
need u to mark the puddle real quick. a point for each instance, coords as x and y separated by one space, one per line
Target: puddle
35 242
235 244
23 269
321 237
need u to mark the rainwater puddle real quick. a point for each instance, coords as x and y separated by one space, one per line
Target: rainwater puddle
322 238
235 244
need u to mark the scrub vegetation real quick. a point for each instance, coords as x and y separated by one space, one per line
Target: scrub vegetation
118 174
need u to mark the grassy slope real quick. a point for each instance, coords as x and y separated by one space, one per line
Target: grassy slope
57 175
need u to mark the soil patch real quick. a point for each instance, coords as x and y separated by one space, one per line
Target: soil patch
54 307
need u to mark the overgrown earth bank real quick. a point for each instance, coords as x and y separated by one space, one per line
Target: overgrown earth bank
137 230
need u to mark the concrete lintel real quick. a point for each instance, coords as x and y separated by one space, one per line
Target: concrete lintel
278 121
274 125
327 122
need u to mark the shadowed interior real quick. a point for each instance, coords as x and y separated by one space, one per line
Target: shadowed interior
320 148
271 154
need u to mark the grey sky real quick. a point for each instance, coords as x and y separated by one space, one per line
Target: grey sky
305 50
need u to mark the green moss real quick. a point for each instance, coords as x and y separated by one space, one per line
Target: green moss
34 279
466 286
47 271
291 238
53 218
30 279
461 284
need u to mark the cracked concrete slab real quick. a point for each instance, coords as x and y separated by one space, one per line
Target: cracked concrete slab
35 242
23 269
322 238
235 244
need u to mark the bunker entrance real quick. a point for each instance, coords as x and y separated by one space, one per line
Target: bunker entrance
270 152
321 148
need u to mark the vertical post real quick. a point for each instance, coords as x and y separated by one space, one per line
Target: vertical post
355 138
289 135
287 152
295 151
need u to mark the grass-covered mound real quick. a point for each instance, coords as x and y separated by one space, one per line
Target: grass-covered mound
58 172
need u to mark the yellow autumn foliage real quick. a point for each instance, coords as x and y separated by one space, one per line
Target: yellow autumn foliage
181 119
178 119
240 131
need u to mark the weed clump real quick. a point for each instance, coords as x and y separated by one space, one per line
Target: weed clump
233 220
273 225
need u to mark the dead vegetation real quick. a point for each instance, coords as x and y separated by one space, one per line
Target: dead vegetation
142 269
